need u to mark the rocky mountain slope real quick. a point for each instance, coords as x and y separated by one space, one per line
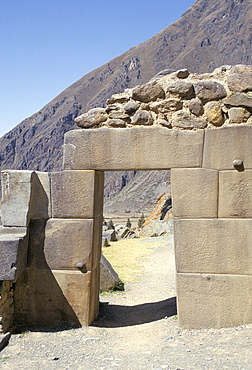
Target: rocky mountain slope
207 35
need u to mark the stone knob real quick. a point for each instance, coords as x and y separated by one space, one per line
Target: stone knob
238 165
80 265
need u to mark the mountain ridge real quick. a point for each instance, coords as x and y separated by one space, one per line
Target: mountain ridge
206 36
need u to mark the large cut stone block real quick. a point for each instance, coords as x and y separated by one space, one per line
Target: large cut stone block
61 244
13 253
16 198
235 194
53 299
77 194
224 145
137 148
41 196
214 301
97 241
194 192
218 246
25 195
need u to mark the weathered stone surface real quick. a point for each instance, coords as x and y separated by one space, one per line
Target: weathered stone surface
142 117
213 301
131 107
182 73
120 98
94 303
196 107
77 194
224 145
209 90
166 105
150 148
119 114
116 123
217 246
238 115
108 276
239 99
235 194
55 299
185 120
148 92
13 254
214 113
184 89
41 195
240 78
92 118
97 242
112 107
61 244
194 192
16 198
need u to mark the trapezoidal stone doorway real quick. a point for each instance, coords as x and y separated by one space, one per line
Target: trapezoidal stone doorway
212 219
60 215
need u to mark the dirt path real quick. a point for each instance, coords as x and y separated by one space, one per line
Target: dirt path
137 330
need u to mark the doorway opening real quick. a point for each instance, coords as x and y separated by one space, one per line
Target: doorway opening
138 243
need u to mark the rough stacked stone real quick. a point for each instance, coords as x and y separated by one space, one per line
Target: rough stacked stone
180 100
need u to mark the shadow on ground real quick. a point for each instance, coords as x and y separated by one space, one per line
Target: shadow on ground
115 316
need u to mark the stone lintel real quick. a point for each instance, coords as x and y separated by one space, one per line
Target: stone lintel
138 148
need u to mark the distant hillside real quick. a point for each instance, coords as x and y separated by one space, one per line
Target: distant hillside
209 34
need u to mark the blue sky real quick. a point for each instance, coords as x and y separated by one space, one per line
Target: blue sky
46 45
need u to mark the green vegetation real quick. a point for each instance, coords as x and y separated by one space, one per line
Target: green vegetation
110 225
141 221
128 224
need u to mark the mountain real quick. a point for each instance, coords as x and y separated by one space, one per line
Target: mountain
208 34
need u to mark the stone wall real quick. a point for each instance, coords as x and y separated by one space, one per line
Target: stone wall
171 123
180 100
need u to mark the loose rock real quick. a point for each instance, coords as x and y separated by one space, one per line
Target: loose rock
148 92
92 118
166 105
209 90
183 89
142 117
240 78
182 73
196 107
238 115
131 107
214 113
184 120
240 99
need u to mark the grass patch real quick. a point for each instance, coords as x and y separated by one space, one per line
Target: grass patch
125 257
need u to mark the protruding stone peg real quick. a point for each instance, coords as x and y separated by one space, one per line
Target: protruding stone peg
238 165
81 266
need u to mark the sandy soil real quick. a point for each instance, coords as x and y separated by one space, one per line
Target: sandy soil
137 329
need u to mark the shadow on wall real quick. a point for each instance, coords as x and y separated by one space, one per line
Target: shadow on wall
115 316
39 302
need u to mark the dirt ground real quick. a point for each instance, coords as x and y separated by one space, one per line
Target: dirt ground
137 329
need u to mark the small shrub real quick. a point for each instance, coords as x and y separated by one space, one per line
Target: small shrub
128 224
141 221
111 225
